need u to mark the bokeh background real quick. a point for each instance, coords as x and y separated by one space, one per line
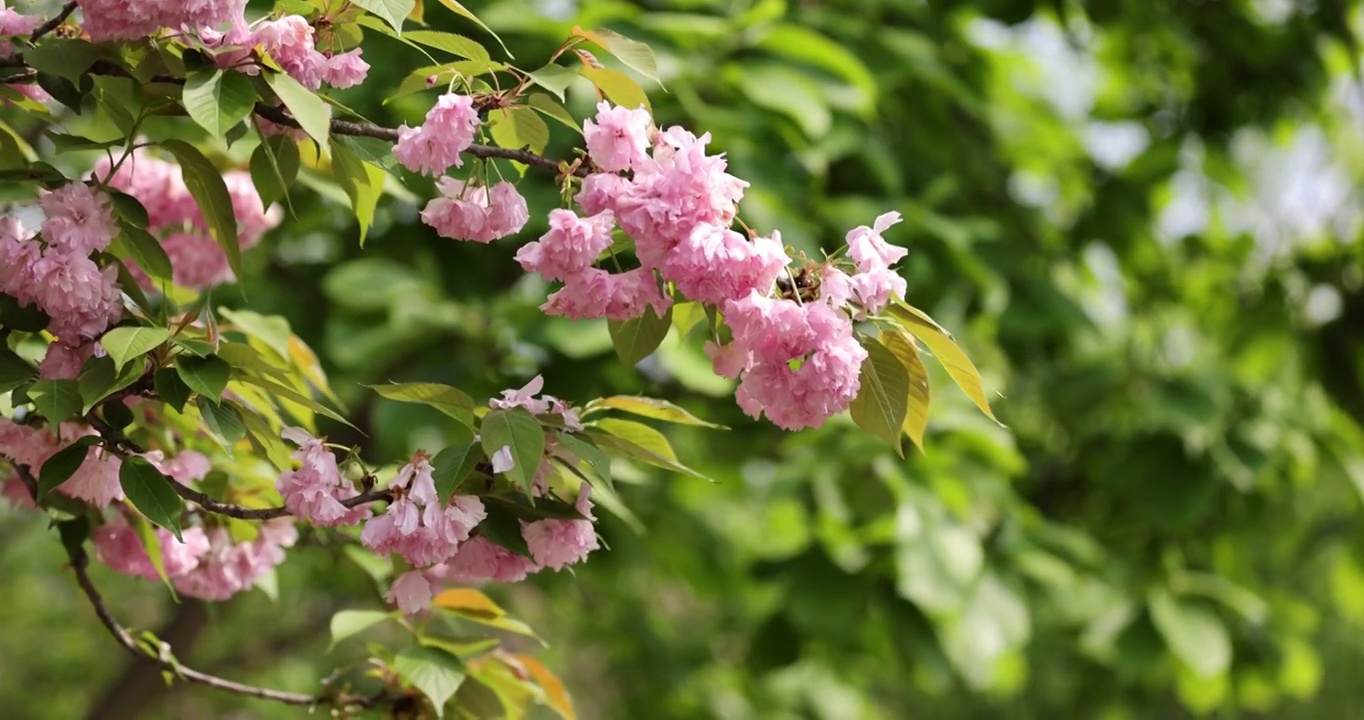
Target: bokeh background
1141 217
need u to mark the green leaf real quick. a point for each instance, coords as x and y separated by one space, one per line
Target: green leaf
125 343
462 11
64 143
472 605
804 45
450 400
347 623
206 185
68 59
882 401
503 529
171 389
1194 634
546 106
128 208
589 453
452 465
519 127
151 493
207 376
416 81
63 464
953 359
363 183
519 430
56 400
618 87
297 397
436 673
151 543
650 408
24 318
786 90
636 338
312 113
555 78
392 12
636 55
640 442
451 43
218 99
14 370
98 379
270 329
222 419
135 244
274 165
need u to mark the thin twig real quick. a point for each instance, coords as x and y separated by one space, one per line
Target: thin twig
245 513
52 24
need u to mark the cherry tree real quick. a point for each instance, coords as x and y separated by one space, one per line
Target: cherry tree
177 441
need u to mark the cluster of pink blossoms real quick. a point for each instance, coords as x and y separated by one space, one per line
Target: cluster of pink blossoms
438 539
136 19
208 565
291 42
463 211
54 271
196 260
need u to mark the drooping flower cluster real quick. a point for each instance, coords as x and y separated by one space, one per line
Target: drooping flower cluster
291 42
315 490
14 24
229 567
465 212
53 270
196 260
434 146
129 20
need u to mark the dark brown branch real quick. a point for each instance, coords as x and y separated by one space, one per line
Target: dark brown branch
245 513
52 24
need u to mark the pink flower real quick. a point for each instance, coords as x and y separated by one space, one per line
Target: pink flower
64 362
13 24
228 568
118 546
346 69
18 253
571 245
479 561
80 219
411 592
825 384
559 543
595 293
96 480
187 467
714 264
315 490
232 47
619 138
463 212
727 360
415 525
289 41
599 192
835 287
25 445
868 250
436 145
776 331
874 288
523 397
81 298
502 460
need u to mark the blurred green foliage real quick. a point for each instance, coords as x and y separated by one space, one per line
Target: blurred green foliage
1142 220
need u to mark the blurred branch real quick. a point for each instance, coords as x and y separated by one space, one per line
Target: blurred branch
52 24
139 685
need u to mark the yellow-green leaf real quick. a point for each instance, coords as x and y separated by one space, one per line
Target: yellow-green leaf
946 350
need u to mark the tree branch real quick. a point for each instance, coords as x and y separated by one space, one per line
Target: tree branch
52 24
80 565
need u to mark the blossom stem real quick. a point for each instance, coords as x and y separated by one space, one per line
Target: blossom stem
52 24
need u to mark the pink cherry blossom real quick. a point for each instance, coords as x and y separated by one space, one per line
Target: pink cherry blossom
346 69
571 245
80 219
479 561
411 592
868 250
559 543
618 139
595 293
502 460
436 145
118 546
874 288
96 480
290 42
14 24
463 212
727 360
64 362
714 264
523 397
80 298
415 525
133 20
314 491
599 192
825 384
229 567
